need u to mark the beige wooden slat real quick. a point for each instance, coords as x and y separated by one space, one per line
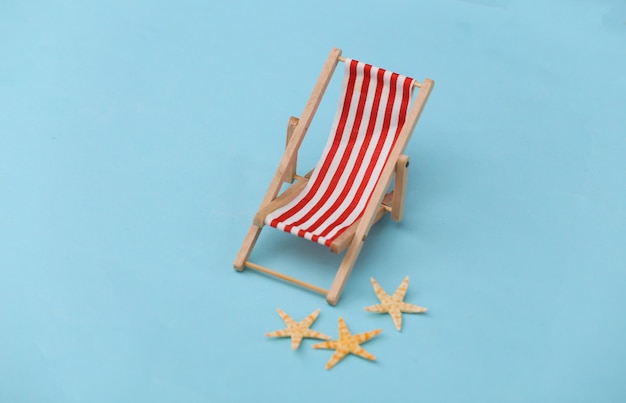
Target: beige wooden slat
399 188
290 173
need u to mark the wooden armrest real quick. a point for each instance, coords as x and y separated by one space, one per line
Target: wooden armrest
290 172
399 188
343 241
284 198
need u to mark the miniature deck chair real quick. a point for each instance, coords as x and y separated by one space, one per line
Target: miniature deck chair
337 203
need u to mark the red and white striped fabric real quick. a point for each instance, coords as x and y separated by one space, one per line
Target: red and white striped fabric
372 108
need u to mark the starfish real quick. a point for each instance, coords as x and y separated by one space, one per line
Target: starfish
393 305
347 343
298 330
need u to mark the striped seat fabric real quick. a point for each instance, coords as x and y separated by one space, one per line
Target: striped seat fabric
372 108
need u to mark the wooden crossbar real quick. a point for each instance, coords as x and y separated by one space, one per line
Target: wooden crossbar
285 277
415 82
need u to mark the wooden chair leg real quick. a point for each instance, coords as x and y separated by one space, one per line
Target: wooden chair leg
397 212
334 293
399 188
246 247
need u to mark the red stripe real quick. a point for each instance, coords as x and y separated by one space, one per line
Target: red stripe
333 150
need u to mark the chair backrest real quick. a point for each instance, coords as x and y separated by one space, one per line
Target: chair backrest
372 109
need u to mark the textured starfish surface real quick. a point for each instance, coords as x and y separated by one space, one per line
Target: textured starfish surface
394 305
347 344
298 330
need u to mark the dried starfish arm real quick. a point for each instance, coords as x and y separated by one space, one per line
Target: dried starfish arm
410 308
379 308
396 316
279 333
363 337
361 352
289 321
401 291
308 321
380 293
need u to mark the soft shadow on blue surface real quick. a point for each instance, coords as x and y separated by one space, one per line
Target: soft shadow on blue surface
137 140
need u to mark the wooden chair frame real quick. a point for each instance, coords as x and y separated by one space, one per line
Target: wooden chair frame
380 202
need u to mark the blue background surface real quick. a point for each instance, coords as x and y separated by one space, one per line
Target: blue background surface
137 139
